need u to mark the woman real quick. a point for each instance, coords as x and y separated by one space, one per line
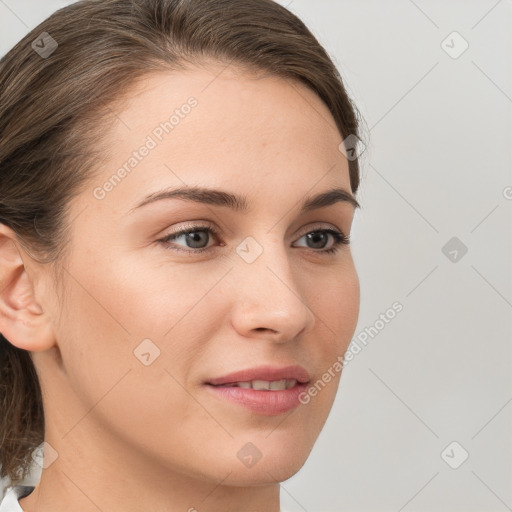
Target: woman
177 194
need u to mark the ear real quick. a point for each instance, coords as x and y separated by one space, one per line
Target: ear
22 319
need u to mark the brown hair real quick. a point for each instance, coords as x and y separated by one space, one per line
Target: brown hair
53 113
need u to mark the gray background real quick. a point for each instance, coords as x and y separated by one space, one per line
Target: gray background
437 166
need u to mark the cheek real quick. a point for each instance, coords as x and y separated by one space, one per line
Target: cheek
336 307
107 313
348 307
122 316
101 328
160 298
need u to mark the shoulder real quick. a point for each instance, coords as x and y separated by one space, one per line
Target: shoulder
12 494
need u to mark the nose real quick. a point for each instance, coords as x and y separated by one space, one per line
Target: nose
268 303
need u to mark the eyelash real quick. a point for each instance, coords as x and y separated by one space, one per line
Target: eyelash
340 239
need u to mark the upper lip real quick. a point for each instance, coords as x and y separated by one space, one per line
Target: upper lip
268 373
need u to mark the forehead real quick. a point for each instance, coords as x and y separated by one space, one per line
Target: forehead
216 126
229 100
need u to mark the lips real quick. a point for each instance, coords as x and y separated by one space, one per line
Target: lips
264 390
263 385
264 378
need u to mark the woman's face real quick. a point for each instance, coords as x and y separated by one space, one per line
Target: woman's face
147 325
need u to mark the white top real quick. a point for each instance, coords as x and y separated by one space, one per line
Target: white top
14 493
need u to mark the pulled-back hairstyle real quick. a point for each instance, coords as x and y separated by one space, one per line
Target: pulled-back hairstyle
53 114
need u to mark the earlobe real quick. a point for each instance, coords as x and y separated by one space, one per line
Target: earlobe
22 319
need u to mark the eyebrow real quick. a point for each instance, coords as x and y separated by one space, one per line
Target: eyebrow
239 203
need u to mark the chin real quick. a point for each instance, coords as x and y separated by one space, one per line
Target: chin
265 472
266 461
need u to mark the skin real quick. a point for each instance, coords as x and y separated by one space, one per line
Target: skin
131 437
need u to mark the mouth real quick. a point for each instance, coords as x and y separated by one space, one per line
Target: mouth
264 378
263 390
262 385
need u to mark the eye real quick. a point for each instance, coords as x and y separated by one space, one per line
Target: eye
196 237
319 238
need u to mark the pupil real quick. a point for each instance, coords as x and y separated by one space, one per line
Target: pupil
194 237
315 237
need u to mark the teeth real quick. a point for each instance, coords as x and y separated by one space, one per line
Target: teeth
260 384
290 383
278 384
266 385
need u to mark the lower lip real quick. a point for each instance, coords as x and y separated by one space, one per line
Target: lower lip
269 403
